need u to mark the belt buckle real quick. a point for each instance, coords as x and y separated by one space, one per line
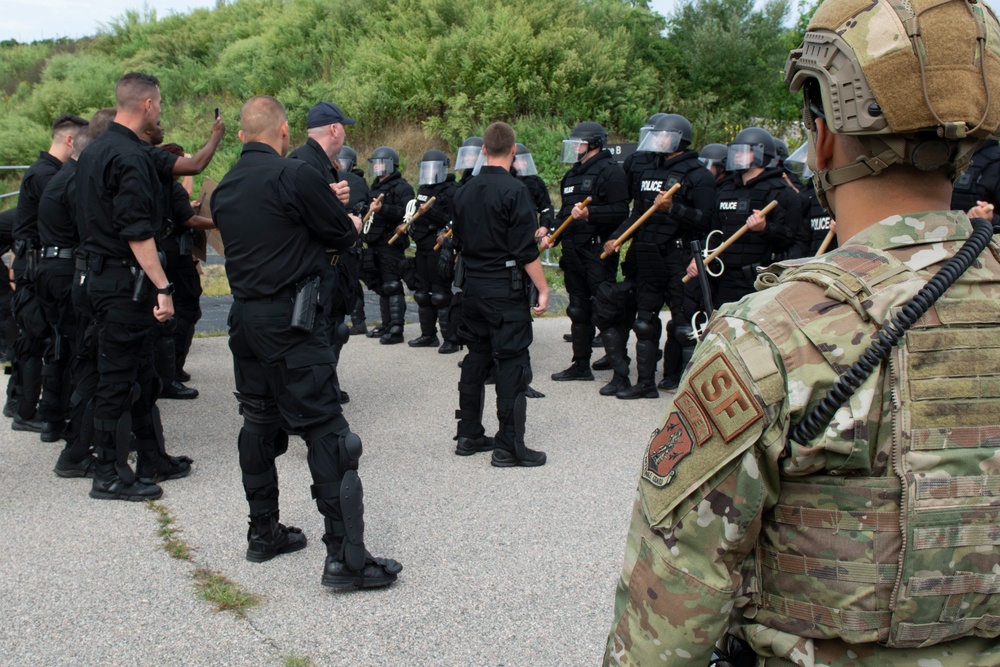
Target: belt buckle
334 260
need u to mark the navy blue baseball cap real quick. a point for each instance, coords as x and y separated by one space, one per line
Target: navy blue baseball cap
326 113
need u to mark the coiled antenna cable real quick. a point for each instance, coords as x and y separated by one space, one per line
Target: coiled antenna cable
891 332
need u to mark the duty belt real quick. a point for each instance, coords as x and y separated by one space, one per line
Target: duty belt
55 252
333 256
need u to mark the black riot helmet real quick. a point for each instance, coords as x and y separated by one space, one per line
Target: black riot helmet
524 164
382 161
713 155
347 158
648 125
584 138
752 147
434 166
469 153
669 134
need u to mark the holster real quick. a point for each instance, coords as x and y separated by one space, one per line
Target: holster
516 278
459 272
306 303
138 284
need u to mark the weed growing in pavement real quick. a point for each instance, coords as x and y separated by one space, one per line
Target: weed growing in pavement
226 595
295 660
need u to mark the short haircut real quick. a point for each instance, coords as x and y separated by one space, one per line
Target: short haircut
498 139
135 88
100 121
174 149
68 123
82 140
261 117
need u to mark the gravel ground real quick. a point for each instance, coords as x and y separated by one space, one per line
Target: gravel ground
500 566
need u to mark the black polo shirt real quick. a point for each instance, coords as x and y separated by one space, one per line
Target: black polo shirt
7 220
33 185
117 193
312 154
495 221
276 216
57 210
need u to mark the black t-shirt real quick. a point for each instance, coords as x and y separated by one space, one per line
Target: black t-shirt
495 222
117 193
276 216
33 185
57 210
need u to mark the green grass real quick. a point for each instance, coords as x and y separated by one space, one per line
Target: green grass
295 660
213 280
216 588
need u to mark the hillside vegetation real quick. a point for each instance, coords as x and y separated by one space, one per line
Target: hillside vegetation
419 74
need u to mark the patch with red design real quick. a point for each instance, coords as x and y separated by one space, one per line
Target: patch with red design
701 428
668 446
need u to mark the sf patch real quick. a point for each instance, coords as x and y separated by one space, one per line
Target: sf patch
724 397
668 446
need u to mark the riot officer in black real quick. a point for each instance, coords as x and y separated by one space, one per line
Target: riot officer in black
750 186
118 200
594 174
981 181
282 358
494 228
382 263
660 251
28 379
470 154
8 329
327 125
357 204
432 294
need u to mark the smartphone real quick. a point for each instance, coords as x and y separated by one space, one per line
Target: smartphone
216 113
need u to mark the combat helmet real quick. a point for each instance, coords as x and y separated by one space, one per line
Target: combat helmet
751 147
584 138
650 122
347 158
671 133
916 82
382 161
469 153
524 164
434 166
713 155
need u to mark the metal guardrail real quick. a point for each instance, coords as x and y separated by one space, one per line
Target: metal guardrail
12 168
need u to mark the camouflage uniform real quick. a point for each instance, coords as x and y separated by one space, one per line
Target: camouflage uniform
796 548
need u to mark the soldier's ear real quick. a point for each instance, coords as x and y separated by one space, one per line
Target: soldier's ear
823 141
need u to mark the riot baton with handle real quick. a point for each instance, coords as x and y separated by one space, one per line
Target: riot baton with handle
826 243
420 211
569 218
370 213
447 235
732 239
638 223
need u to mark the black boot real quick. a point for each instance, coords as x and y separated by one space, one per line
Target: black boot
358 318
580 370
614 347
470 446
66 467
397 314
673 380
267 538
647 352
383 304
109 486
428 334
511 451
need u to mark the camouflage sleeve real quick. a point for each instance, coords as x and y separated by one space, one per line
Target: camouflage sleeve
708 473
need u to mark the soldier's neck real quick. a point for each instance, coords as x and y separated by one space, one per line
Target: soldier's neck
860 204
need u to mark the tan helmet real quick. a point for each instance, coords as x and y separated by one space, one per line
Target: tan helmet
917 81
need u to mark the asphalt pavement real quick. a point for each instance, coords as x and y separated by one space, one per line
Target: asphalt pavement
500 566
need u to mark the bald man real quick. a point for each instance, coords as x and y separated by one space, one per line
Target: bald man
270 208
118 203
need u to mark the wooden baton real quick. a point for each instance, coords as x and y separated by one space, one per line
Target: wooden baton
569 218
370 213
638 223
826 243
447 235
420 211
732 239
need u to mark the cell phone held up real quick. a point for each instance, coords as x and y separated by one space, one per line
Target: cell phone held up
217 113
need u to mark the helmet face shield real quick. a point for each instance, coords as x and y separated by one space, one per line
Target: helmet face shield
573 150
480 161
432 172
524 164
741 157
660 141
380 166
643 131
346 163
467 156
797 162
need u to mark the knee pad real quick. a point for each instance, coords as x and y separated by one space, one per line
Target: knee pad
684 334
646 326
392 287
440 299
352 509
422 298
350 450
577 312
341 333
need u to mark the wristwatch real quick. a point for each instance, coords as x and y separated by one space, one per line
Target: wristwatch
169 289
